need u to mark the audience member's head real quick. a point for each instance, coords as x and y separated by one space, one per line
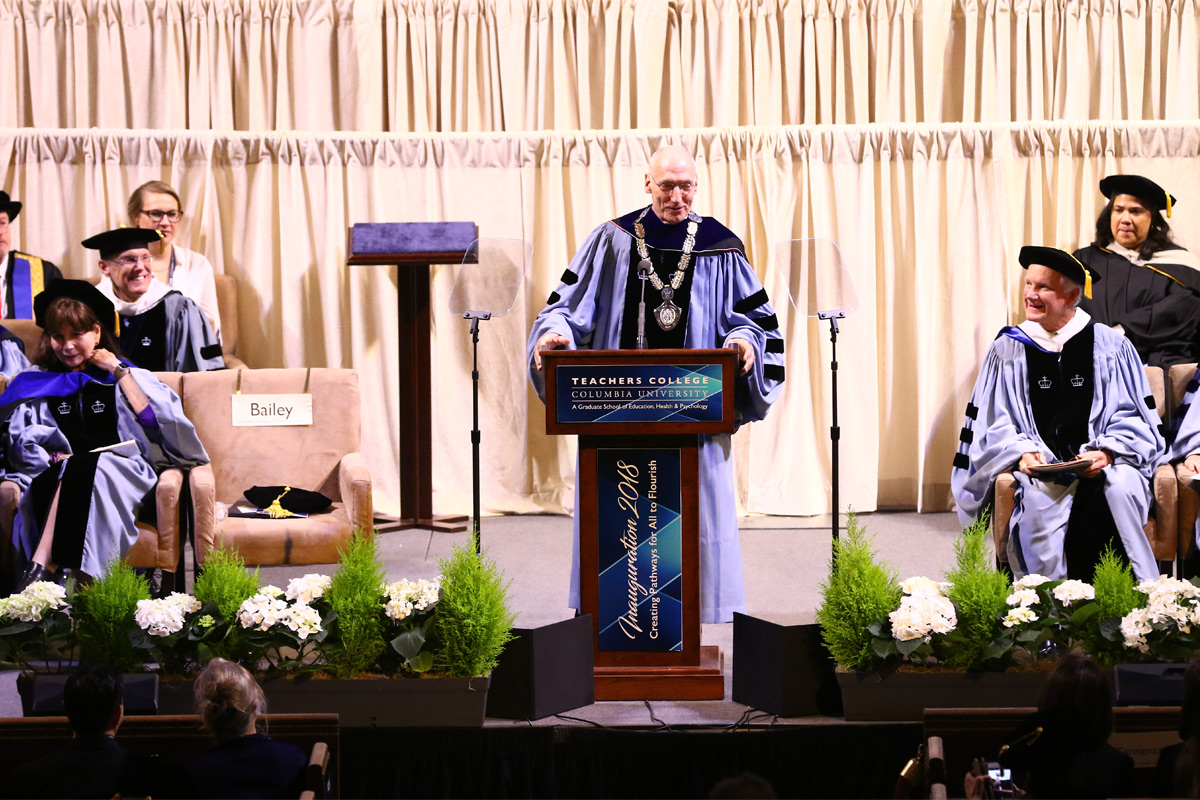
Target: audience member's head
92 700
1187 765
1077 694
228 699
746 786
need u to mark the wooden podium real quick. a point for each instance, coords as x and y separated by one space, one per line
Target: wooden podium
638 414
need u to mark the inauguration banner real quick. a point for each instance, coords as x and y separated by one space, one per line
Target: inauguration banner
641 549
638 392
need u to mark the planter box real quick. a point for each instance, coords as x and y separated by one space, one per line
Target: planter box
904 696
363 702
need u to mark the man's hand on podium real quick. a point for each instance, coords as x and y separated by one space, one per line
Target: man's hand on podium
549 341
745 354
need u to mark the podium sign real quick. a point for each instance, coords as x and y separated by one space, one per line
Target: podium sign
640 549
639 415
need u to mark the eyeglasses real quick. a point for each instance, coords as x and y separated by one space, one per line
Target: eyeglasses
667 187
128 263
157 216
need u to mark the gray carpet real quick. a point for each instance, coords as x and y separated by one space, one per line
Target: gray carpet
785 560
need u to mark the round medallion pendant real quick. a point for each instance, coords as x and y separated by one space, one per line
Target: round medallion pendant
667 315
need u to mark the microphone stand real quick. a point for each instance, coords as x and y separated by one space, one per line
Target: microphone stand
475 317
835 433
643 271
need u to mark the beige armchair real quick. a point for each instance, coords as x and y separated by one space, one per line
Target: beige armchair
321 457
157 545
1162 528
1178 379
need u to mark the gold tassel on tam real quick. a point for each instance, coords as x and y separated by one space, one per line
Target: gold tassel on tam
276 511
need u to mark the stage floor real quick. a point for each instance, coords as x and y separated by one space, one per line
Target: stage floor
785 559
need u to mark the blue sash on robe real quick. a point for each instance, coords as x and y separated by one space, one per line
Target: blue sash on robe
33 384
28 281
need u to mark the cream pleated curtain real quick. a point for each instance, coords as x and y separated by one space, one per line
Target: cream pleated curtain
520 65
928 218
929 138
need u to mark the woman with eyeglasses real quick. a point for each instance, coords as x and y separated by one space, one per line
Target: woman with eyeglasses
156 205
86 436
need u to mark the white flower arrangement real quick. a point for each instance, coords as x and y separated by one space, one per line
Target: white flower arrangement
262 611
35 602
405 596
1021 615
1172 606
1023 598
165 616
1071 591
304 620
308 588
921 616
1030 581
921 586
267 609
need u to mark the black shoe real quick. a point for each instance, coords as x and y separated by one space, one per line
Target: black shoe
33 573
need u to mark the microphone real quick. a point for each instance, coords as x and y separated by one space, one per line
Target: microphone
644 268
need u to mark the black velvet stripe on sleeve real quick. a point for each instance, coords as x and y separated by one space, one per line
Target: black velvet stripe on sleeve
972 410
775 346
767 323
1193 385
750 303
570 278
773 372
553 298
1150 401
961 461
210 351
966 435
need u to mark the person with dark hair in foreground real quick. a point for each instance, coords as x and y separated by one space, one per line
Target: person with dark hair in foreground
1150 287
1062 750
93 764
245 763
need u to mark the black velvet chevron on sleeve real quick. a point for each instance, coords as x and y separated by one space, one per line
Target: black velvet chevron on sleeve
750 303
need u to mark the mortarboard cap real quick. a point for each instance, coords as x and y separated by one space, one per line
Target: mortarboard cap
84 292
1150 193
1060 261
117 241
283 501
13 207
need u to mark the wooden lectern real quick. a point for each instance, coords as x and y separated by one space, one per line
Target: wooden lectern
638 414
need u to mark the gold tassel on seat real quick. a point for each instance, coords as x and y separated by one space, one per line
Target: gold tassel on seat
276 511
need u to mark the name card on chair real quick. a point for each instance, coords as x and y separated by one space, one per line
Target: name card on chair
262 410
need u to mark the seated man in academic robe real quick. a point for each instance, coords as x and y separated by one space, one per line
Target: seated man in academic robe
1061 387
25 276
1150 288
161 330
701 293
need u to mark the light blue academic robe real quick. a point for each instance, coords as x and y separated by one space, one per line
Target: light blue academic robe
1003 429
12 359
588 312
121 482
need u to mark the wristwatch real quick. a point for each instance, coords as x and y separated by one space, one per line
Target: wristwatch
120 372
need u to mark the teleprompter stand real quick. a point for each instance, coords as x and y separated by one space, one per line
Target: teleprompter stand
638 414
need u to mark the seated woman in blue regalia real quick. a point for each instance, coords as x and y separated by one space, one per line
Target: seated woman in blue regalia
85 439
